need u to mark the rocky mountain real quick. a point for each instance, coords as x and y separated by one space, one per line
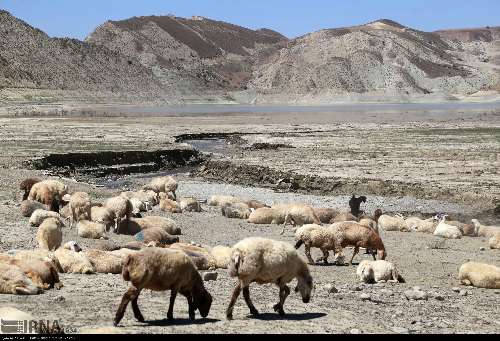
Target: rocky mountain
30 59
198 52
486 34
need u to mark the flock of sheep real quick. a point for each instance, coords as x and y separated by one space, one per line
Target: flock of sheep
156 260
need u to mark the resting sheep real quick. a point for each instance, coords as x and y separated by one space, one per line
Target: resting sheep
316 236
255 204
298 214
221 200
41 271
159 270
494 242
267 216
72 261
166 184
168 205
190 205
265 261
104 262
236 211
343 216
222 256
102 215
447 231
26 186
30 206
325 215
91 230
49 193
13 281
121 207
420 225
397 223
485 231
168 225
376 271
38 217
480 275
49 234
156 234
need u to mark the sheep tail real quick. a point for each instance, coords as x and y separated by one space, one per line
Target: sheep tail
299 244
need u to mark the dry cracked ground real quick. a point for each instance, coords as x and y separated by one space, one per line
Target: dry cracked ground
456 152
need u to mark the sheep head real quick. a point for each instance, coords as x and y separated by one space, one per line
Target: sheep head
202 300
304 286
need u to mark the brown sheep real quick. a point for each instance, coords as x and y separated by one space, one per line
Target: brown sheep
49 193
26 185
326 215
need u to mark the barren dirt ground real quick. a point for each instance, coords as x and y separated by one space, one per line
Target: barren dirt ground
457 151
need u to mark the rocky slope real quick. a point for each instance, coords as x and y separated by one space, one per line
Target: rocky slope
29 58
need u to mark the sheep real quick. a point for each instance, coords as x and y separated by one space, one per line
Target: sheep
49 234
343 216
494 242
137 207
299 215
190 205
38 217
13 281
419 225
255 204
267 216
41 271
372 222
168 225
149 198
166 184
74 262
156 234
316 236
159 270
222 256
123 253
356 235
79 206
102 215
104 262
236 211
91 230
26 186
485 231
171 206
480 275
49 193
466 229
30 206
265 261
200 256
221 200
388 223
355 203
447 231
36 254
377 271
121 207
326 215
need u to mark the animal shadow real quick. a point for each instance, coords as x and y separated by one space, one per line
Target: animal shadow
180 322
292 317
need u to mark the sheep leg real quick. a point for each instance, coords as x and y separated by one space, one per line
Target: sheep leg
308 254
284 292
127 297
287 220
246 295
137 311
192 308
173 295
326 254
236 293
354 253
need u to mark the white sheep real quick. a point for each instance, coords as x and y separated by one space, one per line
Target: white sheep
160 270
102 215
267 216
104 262
121 207
30 206
79 207
485 231
264 261
377 271
168 205
72 261
494 242
313 235
39 216
480 275
420 225
49 234
221 200
167 224
137 206
447 231
397 223
298 215
91 230
222 256
41 271
149 198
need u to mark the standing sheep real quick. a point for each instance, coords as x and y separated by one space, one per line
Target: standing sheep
49 193
49 235
121 207
480 275
159 270
299 215
372 222
79 206
376 271
316 236
267 261
26 186
166 184
355 203
102 215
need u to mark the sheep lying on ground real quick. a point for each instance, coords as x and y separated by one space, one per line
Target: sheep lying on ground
72 261
104 262
49 234
168 225
79 207
267 261
156 234
190 205
267 216
494 242
137 207
356 235
148 198
166 184
38 255
447 231
376 271
236 211
49 193
200 256
326 215
121 207
388 223
371 222
159 270
485 231
316 236
26 186
222 256
466 229
343 216
42 272
420 225
298 215
39 216
480 275
171 206
221 200
255 204
30 206
91 230
102 215
13 281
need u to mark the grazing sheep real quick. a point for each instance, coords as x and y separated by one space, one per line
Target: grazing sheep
265 261
299 215
343 216
13 281
222 256
91 230
221 200
255 204
156 234
159 270
102 215
356 235
166 184
325 215
74 262
80 207
49 234
316 236
168 205
447 231
38 217
41 271
480 275
355 203
376 271
26 186
494 242
49 193
104 262
190 205
30 206
267 216
419 225
121 207
397 223
485 231
236 211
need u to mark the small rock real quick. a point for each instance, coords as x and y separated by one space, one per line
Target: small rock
463 293
357 288
210 276
482 248
455 289
416 295
59 299
355 331
365 297
331 289
400 330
